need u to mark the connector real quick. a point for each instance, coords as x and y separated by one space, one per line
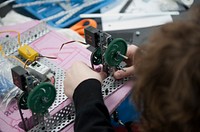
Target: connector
27 52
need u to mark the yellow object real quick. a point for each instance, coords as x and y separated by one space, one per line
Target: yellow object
14 57
27 52
1 50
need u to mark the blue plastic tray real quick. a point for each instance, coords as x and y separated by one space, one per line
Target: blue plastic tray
49 9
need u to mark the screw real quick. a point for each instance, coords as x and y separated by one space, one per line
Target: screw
137 33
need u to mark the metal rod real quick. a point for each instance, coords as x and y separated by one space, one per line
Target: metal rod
123 9
21 114
123 56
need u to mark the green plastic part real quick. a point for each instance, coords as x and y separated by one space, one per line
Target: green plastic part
116 47
23 101
96 57
41 97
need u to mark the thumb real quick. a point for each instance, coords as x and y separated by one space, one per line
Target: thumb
119 74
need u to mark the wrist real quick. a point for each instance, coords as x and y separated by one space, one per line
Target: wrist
87 91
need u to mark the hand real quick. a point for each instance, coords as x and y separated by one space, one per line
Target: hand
119 74
76 74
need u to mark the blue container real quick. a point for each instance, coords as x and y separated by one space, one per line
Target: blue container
43 11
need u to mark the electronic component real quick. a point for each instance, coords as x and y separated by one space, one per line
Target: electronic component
39 70
27 52
108 51
38 95
19 79
91 36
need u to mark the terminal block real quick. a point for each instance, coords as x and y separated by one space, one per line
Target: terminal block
27 52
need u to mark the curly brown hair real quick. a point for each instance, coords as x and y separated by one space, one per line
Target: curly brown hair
167 89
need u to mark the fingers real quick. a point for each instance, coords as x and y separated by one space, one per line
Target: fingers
68 91
131 51
128 70
130 54
121 74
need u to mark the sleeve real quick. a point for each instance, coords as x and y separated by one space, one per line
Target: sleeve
91 113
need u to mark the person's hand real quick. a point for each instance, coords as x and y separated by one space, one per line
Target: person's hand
76 74
129 70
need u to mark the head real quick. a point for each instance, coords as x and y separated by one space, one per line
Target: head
167 88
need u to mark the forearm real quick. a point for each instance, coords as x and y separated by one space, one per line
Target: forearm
91 112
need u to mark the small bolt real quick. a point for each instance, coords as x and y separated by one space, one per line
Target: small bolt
105 47
137 33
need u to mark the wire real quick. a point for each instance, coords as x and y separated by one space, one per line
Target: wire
14 57
66 43
50 57
81 42
71 42
20 44
36 58
26 62
18 33
2 52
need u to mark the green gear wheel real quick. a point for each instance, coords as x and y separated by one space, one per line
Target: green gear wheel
96 57
23 101
116 46
41 97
